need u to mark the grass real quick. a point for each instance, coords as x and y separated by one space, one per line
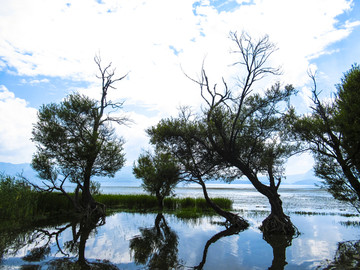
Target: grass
20 204
142 202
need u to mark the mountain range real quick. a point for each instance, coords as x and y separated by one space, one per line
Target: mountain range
125 176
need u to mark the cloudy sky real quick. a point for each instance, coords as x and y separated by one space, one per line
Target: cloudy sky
47 50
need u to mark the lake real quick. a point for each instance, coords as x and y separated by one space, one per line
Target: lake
141 241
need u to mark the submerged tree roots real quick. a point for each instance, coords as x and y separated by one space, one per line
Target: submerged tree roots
273 225
233 220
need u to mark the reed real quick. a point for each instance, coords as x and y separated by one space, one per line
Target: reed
19 202
143 202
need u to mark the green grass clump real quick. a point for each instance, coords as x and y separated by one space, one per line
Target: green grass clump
131 202
142 202
18 202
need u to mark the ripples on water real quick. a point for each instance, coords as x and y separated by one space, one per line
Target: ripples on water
184 241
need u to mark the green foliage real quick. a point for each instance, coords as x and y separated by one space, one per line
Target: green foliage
75 141
131 202
95 187
159 173
69 135
53 204
17 200
348 113
143 202
332 133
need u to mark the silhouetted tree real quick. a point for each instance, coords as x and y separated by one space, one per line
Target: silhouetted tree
183 138
332 133
244 133
159 173
75 141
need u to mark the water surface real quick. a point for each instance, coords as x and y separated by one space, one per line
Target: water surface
149 240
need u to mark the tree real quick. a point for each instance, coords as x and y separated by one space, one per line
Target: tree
244 132
183 137
75 141
332 133
159 173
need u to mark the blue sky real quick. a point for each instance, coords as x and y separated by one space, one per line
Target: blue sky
47 50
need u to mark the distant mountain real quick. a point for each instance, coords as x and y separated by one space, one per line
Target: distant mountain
125 177
16 169
307 178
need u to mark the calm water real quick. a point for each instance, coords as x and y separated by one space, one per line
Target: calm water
142 241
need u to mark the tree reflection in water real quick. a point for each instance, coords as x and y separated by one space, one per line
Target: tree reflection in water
347 256
279 243
43 239
156 247
229 231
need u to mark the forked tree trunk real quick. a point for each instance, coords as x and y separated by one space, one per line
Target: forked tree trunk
277 222
233 219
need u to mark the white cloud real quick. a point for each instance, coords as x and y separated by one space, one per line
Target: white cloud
152 39
34 81
16 120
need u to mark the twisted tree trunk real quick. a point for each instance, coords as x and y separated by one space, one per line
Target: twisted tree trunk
231 218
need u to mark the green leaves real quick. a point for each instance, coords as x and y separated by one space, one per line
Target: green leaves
159 173
332 133
68 135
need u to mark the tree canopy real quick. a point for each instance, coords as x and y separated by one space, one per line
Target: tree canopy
332 133
75 141
240 131
159 173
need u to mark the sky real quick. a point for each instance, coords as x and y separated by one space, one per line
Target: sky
47 51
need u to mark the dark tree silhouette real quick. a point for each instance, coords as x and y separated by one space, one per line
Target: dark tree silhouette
240 132
159 173
75 141
332 134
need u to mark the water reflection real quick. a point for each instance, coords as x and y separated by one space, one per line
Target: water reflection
39 242
347 256
156 247
163 241
279 243
229 231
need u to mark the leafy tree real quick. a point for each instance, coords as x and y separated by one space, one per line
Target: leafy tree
332 133
75 141
159 173
348 114
184 138
243 133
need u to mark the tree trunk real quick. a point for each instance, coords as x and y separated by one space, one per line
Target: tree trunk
91 208
277 222
160 200
233 219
